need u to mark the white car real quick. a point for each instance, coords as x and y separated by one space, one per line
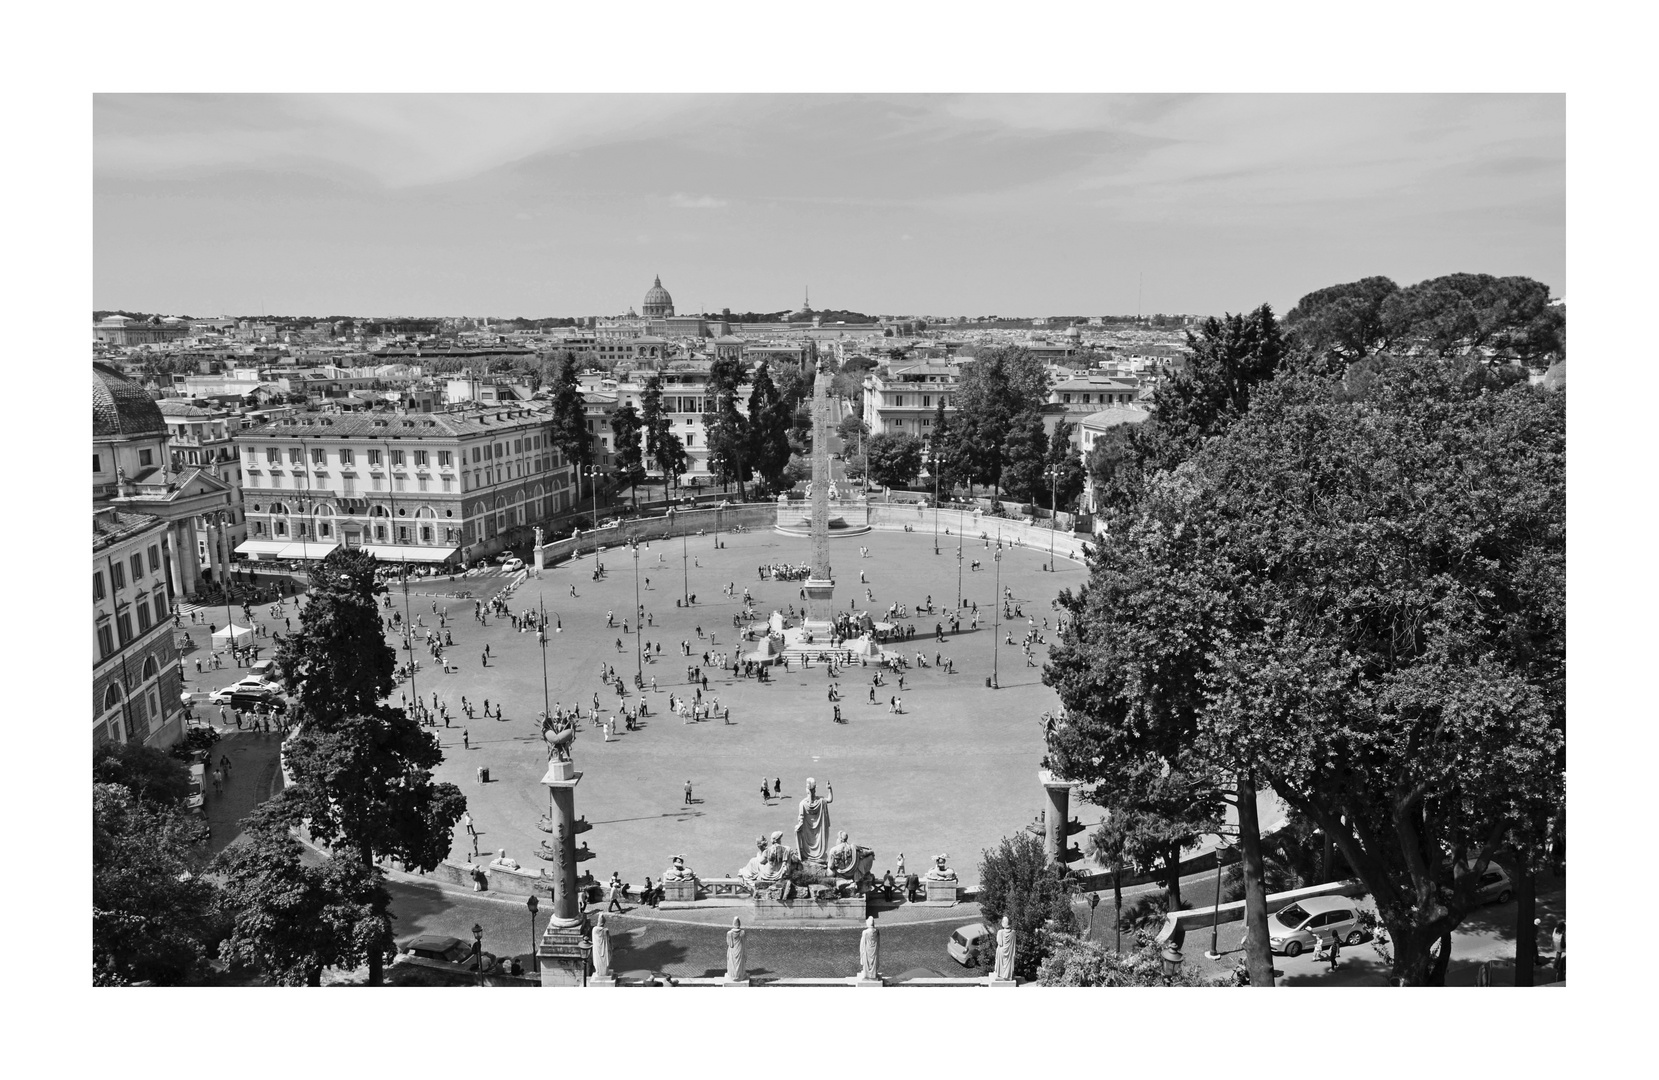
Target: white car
513 566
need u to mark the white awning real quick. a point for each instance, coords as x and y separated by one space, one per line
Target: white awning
313 549
410 554
260 547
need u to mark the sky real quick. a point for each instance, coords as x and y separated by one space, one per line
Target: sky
971 204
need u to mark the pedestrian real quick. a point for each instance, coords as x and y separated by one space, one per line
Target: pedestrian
465 740
483 659
765 792
688 792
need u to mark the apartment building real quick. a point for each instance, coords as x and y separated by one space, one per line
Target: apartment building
137 689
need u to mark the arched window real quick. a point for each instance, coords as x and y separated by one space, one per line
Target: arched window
112 697
149 668
279 508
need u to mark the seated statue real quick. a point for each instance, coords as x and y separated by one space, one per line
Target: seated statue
780 868
750 874
939 871
842 864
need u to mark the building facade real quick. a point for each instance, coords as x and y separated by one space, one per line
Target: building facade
137 686
902 398
432 488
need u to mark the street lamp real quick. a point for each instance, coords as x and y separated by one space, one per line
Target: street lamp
541 635
639 635
594 472
1053 474
685 556
1215 917
996 612
478 948
959 565
535 961
935 468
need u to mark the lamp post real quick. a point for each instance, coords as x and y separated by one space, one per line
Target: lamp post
541 634
934 465
1215 917
639 662
478 949
1053 474
532 904
685 560
996 613
224 543
593 473
959 565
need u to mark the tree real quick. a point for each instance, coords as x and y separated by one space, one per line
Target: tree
630 460
291 920
1017 880
1024 456
151 907
851 429
998 390
1346 322
151 775
770 418
1065 457
362 770
671 458
652 417
1460 313
338 663
1072 961
1156 811
1226 360
1355 597
727 436
894 458
569 428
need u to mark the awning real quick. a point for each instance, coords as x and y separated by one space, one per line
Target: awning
411 554
232 633
260 547
313 549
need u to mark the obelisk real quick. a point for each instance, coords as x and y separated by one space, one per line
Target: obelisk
820 587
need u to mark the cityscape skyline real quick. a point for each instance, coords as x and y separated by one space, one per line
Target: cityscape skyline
567 205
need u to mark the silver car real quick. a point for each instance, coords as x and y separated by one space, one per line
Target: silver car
1299 926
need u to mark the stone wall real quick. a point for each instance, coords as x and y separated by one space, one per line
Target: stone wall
964 523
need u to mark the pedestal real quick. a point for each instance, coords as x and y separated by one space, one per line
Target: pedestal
851 910
683 889
563 956
736 982
860 981
1055 815
940 893
994 981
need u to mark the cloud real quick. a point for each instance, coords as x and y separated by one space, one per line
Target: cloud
695 202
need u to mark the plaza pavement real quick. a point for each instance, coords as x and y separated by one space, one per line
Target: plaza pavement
953 773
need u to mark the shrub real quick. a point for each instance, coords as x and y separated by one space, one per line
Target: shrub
1016 880
1074 962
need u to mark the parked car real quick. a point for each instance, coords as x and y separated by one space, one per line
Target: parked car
965 939
1494 886
255 683
513 565
444 949
1299 926
244 698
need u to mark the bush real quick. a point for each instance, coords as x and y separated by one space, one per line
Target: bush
1074 962
1016 880
149 774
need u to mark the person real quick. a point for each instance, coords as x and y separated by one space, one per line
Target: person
765 793
777 786
465 744
1336 949
688 793
616 891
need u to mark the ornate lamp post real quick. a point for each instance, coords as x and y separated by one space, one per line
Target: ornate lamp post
639 635
685 556
996 614
1053 474
1215 918
532 904
478 949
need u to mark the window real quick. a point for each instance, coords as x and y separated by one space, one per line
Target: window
927 400
380 532
97 585
420 459
426 534
691 438
448 483
112 696
319 457
423 483
279 528
349 485
123 627
402 534
159 598
143 614
374 458
273 455
397 458
296 456
146 457
518 446
445 459
347 459
106 640
155 557
97 466
477 455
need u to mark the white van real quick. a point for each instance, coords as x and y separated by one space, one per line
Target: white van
964 939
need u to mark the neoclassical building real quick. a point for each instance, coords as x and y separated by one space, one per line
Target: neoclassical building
425 487
136 680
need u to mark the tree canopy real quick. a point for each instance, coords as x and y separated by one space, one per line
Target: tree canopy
1356 593
1016 880
151 908
895 458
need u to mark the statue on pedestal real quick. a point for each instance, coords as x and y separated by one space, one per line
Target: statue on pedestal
737 965
750 874
558 739
939 871
842 864
1004 969
812 823
678 871
869 951
601 949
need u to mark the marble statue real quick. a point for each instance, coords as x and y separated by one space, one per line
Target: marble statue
678 871
750 874
1005 952
869 951
503 861
601 949
558 739
538 536
842 862
939 871
812 823
737 965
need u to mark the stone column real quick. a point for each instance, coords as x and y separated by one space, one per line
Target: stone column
561 951
1055 815
820 587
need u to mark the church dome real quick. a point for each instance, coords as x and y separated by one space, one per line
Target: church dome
121 406
658 303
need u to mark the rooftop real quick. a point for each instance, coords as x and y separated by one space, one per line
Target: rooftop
392 426
111 526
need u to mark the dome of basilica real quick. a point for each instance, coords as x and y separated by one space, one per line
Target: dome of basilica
121 406
658 304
